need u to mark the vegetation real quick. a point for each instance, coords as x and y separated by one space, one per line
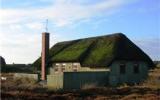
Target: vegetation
29 89
96 51
18 68
2 62
53 51
73 52
153 80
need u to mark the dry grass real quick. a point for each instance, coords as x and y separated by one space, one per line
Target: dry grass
135 96
21 89
18 84
153 80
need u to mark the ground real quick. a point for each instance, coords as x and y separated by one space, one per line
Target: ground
21 89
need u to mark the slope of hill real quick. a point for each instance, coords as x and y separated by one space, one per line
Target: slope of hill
2 62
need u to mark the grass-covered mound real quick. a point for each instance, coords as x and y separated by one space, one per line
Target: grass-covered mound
18 68
2 62
97 51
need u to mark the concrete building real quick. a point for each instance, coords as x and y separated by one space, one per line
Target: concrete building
104 60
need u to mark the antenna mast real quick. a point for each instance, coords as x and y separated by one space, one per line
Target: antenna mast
46 25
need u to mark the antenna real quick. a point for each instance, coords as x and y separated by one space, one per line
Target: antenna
46 25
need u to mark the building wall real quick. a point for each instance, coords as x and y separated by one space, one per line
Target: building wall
58 68
85 75
129 76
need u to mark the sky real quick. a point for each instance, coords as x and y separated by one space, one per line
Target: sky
23 21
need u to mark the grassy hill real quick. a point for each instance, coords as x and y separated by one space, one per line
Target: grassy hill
18 68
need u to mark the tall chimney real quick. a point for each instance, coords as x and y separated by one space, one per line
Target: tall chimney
45 54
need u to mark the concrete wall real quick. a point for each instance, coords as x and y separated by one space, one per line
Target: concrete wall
77 80
58 68
55 81
129 77
24 75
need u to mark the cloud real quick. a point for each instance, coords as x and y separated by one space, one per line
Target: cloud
22 48
20 40
35 25
61 12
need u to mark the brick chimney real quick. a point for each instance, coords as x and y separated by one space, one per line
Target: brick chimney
45 54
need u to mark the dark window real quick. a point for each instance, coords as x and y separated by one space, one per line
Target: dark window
63 65
75 68
122 69
136 68
56 69
63 68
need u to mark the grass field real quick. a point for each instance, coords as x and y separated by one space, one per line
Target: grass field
28 89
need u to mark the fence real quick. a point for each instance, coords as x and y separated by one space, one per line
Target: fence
78 80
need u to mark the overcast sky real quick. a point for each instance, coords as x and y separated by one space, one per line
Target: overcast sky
23 21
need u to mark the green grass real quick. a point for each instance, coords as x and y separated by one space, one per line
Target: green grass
18 68
100 52
73 52
96 51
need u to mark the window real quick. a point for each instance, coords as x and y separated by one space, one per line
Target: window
122 69
56 69
57 64
75 68
63 68
136 68
63 65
